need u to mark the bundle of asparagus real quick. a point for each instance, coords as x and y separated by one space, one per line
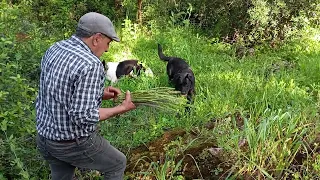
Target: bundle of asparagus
165 98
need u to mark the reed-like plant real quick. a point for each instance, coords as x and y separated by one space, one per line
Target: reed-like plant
165 98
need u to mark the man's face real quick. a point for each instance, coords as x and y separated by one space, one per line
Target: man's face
101 43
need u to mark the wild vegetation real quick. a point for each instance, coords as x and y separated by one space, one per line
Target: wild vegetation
256 109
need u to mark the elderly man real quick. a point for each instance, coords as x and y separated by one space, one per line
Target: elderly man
68 104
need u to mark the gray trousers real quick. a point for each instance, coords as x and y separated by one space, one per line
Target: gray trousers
93 152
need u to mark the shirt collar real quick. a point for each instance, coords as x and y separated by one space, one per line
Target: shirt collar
78 40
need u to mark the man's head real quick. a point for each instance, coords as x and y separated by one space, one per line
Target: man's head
97 31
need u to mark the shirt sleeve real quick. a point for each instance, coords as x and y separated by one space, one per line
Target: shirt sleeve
87 96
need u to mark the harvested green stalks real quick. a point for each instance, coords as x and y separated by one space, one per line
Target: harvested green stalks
164 98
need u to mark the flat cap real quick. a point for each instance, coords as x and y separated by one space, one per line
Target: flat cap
97 23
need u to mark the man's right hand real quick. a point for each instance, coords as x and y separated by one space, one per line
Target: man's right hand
127 104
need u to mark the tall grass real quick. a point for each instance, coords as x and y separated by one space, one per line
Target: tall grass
274 143
275 98
276 91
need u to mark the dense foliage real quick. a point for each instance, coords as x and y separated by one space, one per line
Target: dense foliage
257 68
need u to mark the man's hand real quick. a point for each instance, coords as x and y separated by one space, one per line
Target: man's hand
111 92
127 104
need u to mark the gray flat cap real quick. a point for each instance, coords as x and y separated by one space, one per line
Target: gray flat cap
97 23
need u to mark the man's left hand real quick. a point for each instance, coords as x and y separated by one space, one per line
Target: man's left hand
111 92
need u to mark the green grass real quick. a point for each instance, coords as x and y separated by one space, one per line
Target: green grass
277 90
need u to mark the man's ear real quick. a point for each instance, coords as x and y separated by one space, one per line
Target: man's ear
96 38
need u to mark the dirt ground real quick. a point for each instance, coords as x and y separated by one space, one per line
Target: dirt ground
202 161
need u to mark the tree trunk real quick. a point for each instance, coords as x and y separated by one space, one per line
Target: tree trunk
118 6
139 12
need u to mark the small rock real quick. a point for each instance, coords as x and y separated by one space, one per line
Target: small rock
215 151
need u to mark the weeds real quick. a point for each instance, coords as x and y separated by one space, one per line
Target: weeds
275 92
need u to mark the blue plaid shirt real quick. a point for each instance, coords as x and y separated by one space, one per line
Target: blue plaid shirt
70 92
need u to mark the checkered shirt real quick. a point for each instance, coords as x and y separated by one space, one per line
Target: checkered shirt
70 92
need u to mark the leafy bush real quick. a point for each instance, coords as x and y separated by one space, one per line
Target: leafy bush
17 119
